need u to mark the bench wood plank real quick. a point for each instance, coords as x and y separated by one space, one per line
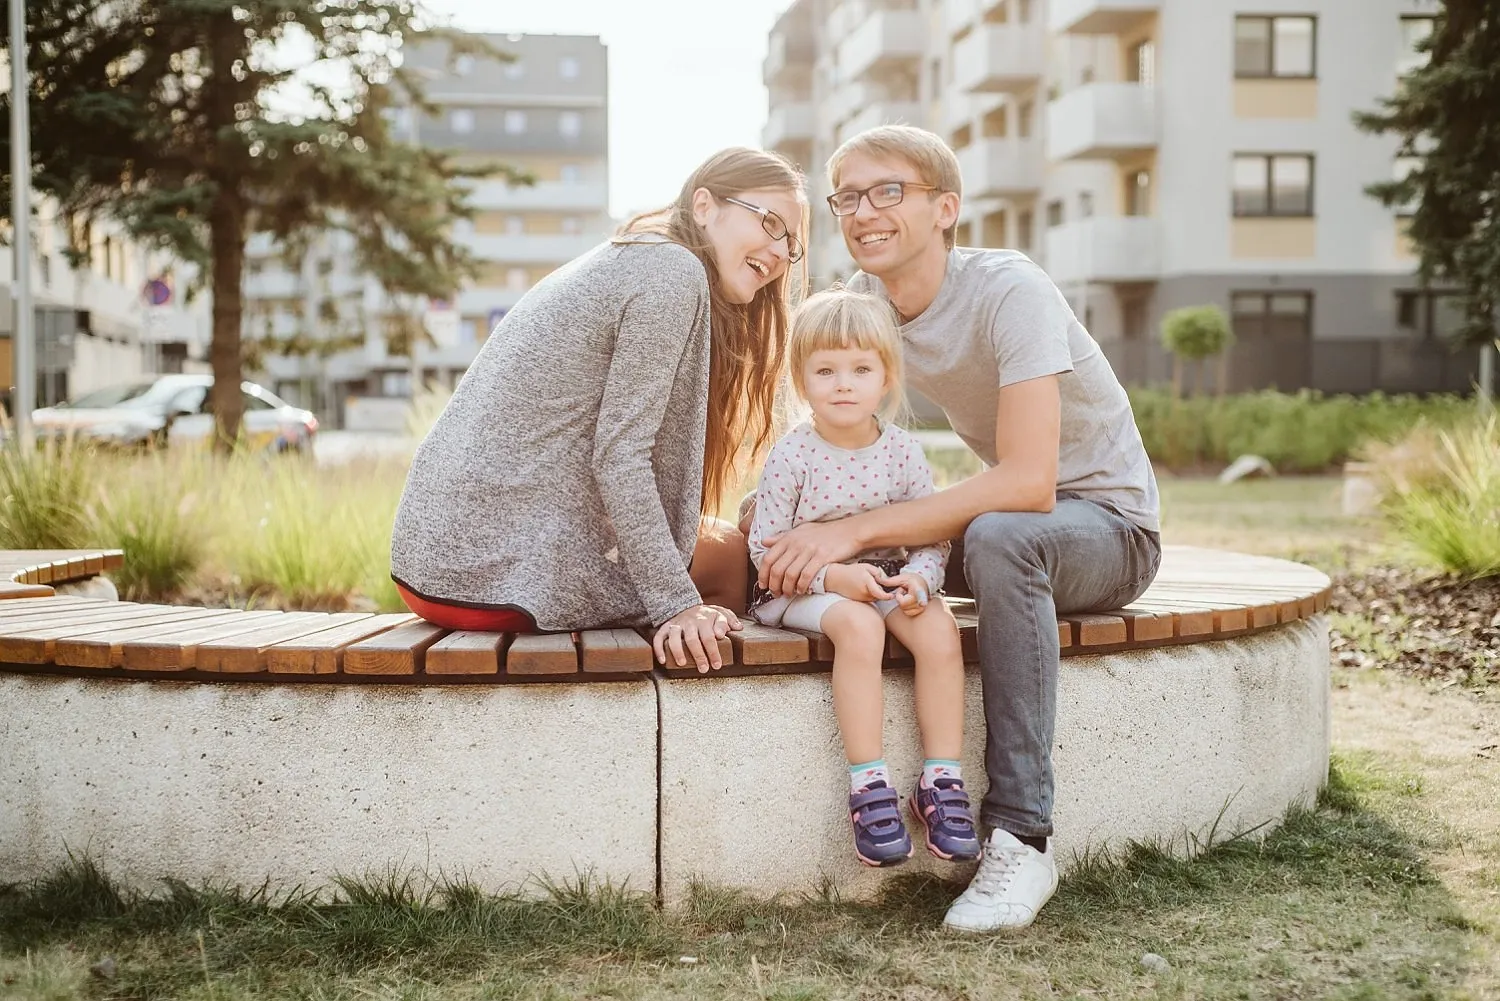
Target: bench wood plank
531 654
100 646
468 652
323 652
1097 630
13 609
248 652
398 651
37 643
176 650
17 591
758 644
613 651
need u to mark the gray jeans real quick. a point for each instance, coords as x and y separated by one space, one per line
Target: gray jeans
1022 569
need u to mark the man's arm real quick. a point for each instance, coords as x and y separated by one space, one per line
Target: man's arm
1024 478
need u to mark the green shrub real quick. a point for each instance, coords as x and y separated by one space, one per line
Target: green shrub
1304 432
153 509
1453 517
44 495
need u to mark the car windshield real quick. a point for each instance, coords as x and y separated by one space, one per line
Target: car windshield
133 395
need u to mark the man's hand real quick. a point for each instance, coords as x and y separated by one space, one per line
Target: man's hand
911 592
695 632
794 559
856 581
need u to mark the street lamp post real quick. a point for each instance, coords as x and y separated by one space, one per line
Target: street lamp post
23 330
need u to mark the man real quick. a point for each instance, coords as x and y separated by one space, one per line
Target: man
1065 517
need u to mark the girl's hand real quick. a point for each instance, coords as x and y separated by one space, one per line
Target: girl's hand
856 581
695 632
911 592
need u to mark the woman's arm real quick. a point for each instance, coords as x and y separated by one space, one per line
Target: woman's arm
658 323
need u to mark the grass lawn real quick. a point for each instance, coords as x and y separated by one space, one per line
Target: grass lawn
1390 888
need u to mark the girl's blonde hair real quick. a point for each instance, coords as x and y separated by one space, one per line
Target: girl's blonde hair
748 341
838 319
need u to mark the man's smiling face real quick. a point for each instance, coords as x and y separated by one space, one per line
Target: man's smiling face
884 241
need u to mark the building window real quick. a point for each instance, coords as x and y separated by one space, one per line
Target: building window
570 124
1024 114
515 69
1275 47
1273 185
1085 204
1429 315
1271 316
515 122
1025 227
515 279
570 173
567 68
1414 31
571 225
1054 213
461 120
1138 193
463 65
1140 66
514 225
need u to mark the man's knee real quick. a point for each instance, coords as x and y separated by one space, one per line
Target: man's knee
1001 538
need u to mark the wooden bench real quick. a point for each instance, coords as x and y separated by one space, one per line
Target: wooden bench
1199 595
352 743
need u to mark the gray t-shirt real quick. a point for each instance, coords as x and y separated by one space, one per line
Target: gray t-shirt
999 320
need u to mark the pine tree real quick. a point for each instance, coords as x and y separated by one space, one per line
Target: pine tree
188 121
1443 114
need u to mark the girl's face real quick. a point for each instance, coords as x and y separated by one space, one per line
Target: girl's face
748 257
845 386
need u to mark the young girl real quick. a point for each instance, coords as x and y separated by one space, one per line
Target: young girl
845 355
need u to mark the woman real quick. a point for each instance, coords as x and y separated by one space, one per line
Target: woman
568 480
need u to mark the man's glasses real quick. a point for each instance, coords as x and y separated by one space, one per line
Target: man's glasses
882 196
775 228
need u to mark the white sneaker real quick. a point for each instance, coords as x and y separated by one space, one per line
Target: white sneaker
1012 884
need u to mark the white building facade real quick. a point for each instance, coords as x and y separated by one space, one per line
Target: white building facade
1151 154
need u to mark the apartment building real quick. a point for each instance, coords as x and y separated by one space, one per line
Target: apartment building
121 315
544 111
1152 154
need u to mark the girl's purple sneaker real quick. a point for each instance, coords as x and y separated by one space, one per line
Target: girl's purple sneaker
943 811
880 839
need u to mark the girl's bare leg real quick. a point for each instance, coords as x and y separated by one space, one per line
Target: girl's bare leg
932 637
858 702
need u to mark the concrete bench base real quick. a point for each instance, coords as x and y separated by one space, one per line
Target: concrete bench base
298 783
1159 744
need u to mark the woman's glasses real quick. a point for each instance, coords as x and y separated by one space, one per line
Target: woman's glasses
775 228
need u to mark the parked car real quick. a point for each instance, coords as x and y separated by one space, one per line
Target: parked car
174 410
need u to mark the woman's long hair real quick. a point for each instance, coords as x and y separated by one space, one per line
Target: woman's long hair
748 341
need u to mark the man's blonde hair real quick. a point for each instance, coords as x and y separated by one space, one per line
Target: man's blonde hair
839 319
925 151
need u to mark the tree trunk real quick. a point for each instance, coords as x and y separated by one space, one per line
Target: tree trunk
227 241
1177 377
1223 372
226 221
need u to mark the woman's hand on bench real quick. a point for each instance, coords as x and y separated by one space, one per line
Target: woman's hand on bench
695 633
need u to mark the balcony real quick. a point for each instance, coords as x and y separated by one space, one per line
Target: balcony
882 113
1102 121
789 56
999 58
1099 17
1002 168
531 249
589 196
884 40
789 125
1105 249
